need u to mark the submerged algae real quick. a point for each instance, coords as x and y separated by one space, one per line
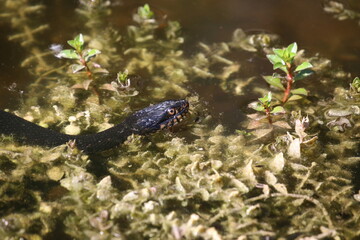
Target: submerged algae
210 185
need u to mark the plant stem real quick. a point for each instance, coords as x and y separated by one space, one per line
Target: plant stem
89 75
88 71
268 114
290 80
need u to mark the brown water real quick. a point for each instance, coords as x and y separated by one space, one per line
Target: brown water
208 21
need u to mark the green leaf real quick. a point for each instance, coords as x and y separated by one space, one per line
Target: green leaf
278 65
259 108
72 43
274 59
274 81
279 52
77 43
266 100
304 65
356 80
281 67
76 68
122 77
79 39
68 53
145 12
290 53
90 53
300 91
294 98
278 109
284 69
355 85
292 48
303 74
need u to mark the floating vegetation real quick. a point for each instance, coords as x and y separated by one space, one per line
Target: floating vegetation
340 12
22 15
212 184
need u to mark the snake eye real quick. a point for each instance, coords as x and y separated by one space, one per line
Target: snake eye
171 111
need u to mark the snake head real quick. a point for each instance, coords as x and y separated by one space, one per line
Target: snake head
159 116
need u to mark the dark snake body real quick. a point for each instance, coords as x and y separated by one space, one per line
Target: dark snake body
147 120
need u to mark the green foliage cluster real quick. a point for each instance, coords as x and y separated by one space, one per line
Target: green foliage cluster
283 59
355 85
265 104
79 53
145 13
219 185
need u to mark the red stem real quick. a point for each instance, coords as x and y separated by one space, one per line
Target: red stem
268 115
88 71
90 76
290 81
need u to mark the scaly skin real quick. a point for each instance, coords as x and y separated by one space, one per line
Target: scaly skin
147 120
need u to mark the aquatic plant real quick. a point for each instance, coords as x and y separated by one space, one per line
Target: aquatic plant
265 105
22 15
83 56
121 84
153 46
283 59
342 115
144 13
99 34
215 63
339 12
355 85
274 115
94 13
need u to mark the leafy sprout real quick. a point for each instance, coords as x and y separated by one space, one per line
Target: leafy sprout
83 56
123 78
79 53
145 12
355 85
283 59
266 105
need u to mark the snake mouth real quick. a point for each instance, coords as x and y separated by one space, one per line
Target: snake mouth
177 116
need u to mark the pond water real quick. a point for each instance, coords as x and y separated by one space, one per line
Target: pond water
207 21
205 179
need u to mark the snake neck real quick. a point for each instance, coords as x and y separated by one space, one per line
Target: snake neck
28 132
104 140
147 120
32 134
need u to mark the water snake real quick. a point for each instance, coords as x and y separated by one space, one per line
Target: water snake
147 120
